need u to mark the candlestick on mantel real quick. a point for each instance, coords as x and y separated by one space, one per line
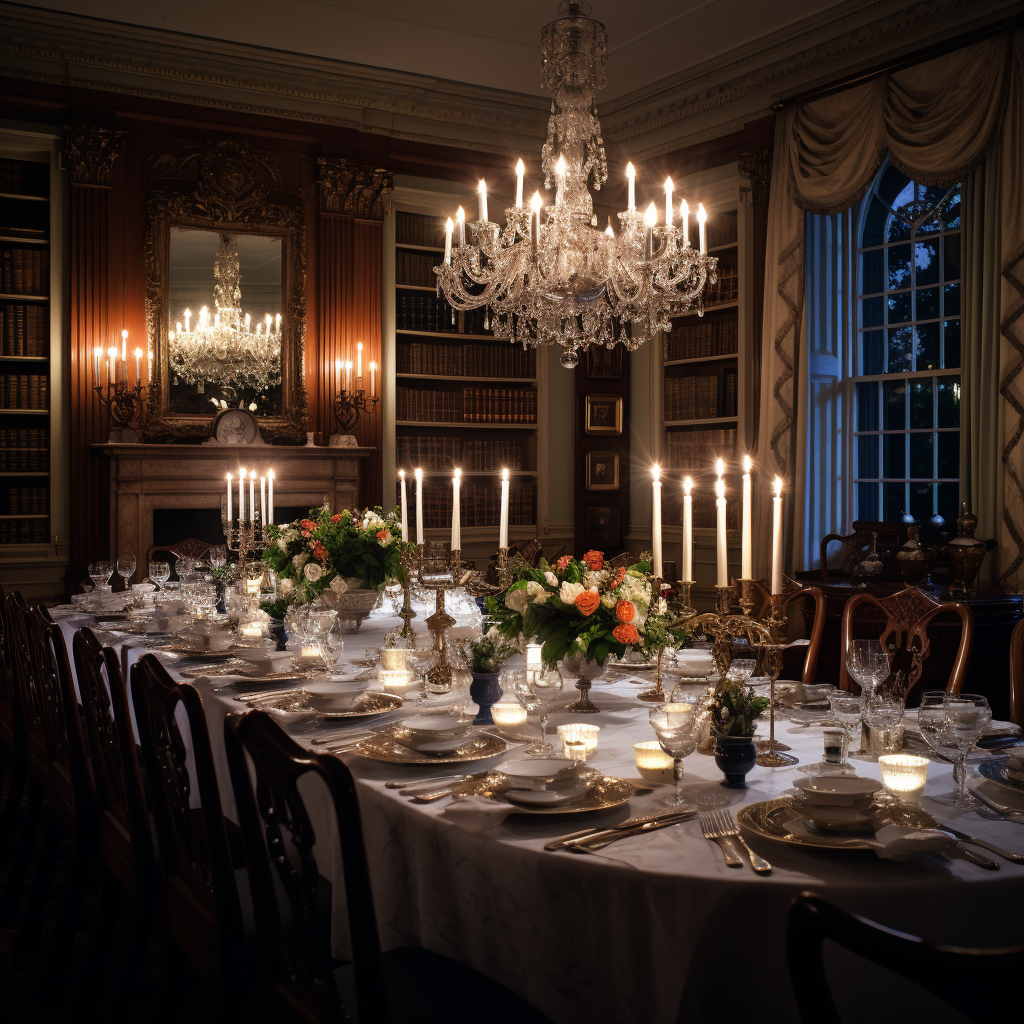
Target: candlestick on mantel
270 496
419 506
656 525
777 537
373 379
404 508
746 558
138 366
229 499
503 519
456 518
241 494
723 549
687 529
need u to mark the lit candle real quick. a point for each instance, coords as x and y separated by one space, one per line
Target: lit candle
631 176
746 560
248 321
241 494
229 499
270 496
138 366
373 379
904 775
359 362
520 171
508 714
560 170
687 529
503 520
456 521
677 714
668 202
111 362
252 494
97 352
460 219
405 510
723 554
419 506
650 219
449 227
651 761
656 527
535 205
263 498
482 190
348 374
124 347
149 361
701 222
684 217
777 537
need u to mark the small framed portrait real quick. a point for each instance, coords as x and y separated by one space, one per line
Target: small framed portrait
603 414
604 363
602 471
603 526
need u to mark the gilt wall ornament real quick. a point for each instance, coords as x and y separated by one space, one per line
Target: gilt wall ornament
89 153
357 189
756 165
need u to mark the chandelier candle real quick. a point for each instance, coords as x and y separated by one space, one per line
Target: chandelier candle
650 219
656 528
687 529
535 205
520 171
449 227
460 219
723 551
456 519
405 510
482 190
631 177
668 201
777 537
701 223
419 506
503 521
684 220
745 557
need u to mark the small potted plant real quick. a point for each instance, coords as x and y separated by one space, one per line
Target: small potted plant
734 714
485 657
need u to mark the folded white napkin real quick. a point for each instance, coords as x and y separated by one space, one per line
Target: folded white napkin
894 842
477 813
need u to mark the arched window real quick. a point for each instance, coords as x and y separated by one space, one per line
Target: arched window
906 363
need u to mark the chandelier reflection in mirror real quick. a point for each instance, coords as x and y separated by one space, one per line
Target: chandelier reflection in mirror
225 349
550 275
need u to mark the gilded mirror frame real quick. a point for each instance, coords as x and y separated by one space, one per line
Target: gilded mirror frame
224 187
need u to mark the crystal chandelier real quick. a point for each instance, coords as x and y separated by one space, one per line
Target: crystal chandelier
224 349
550 275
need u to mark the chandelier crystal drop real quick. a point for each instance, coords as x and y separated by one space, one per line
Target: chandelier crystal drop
226 349
551 275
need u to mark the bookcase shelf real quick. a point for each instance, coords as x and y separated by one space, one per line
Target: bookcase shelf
419 248
23 195
466 426
700 423
727 357
19 297
449 335
24 240
492 380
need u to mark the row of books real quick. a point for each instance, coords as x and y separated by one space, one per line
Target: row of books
25 437
10 175
21 177
691 341
726 289
469 454
704 509
24 271
691 397
729 396
698 449
25 390
466 359
479 503
28 531
417 229
35 461
470 405
26 330
425 313
24 501
721 230
416 268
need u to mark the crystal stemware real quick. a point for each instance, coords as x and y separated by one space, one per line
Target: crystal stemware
126 568
536 690
678 732
183 565
847 711
159 572
100 572
741 669
884 715
951 724
217 556
868 663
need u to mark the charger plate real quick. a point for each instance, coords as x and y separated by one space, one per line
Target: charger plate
233 670
195 652
773 819
604 793
384 745
370 703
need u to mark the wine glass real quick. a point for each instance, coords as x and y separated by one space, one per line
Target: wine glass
951 724
868 663
678 732
126 568
537 691
100 572
183 565
740 670
847 710
159 573
883 715
218 556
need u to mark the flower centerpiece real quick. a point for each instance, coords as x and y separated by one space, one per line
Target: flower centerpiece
734 713
329 552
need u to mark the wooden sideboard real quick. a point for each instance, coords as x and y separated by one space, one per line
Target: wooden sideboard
145 478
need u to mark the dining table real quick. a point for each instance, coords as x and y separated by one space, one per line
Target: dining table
654 928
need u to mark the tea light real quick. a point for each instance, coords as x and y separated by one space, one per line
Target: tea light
309 651
252 587
652 762
578 732
251 629
677 713
394 678
575 751
903 775
394 658
533 659
508 714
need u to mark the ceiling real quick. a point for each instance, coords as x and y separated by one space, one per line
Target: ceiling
480 43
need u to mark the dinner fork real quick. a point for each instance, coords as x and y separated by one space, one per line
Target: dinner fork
712 830
727 827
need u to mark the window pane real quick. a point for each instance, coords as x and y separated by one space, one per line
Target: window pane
899 306
922 447
872 352
867 455
897 230
951 213
867 406
895 500
927 352
951 300
949 501
949 454
895 396
899 267
949 401
872 272
867 501
895 187
901 349
895 448
930 196
921 408
926 262
874 224
951 344
873 312
927 304
951 258
921 499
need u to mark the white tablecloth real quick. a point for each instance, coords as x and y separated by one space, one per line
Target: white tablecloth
654 925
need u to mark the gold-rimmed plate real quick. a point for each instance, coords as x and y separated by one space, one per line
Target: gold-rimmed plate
604 793
196 652
384 745
369 703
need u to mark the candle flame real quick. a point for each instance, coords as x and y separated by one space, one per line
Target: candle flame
668 185
482 187
229 478
656 471
536 202
460 214
684 208
701 213
112 352
748 465
124 334
720 489
359 346
504 474
458 474
720 467
448 225
777 487
520 167
138 353
252 474
608 230
337 365
651 216
687 485
561 167
418 474
270 475
630 170
401 474
373 366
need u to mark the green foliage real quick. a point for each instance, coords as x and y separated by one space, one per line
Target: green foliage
490 652
735 710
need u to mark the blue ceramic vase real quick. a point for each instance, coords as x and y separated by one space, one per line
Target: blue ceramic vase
483 692
735 755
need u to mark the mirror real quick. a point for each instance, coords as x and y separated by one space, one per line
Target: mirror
225 294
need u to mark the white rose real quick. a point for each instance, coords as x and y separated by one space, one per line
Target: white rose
551 578
517 600
535 592
286 586
300 559
568 592
313 571
281 544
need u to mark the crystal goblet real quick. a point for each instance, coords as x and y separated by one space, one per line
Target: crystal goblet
846 710
678 733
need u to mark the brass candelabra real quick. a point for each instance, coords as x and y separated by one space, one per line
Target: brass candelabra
440 575
656 694
412 559
350 405
124 403
772 756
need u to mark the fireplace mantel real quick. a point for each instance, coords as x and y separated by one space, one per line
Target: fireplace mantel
145 477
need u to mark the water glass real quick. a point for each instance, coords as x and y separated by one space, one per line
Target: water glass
847 711
126 568
183 565
678 735
884 717
217 556
868 663
159 572
740 670
536 691
100 572
952 723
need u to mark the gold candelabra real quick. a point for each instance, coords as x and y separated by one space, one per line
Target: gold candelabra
243 537
440 578
412 560
124 404
349 405
771 755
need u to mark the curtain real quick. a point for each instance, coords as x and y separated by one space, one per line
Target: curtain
937 121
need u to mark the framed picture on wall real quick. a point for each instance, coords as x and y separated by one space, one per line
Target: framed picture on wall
603 526
603 414
603 363
602 471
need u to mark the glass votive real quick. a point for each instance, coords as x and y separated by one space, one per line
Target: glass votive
904 775
508 714
833 753
394 678
677 713
652 762
394 658
579 732
575 751
252 630
252 587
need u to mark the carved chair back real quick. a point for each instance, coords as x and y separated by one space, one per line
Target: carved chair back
906 617
23 665
8 705
125 839
274 820
1017 674
796 594
188 548
199 898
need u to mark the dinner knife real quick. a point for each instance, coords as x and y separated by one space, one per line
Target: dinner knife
599 842
593 833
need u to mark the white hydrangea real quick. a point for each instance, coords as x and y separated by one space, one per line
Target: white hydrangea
517 600
282 543
594 580
551 578
536 592
568 592
286 586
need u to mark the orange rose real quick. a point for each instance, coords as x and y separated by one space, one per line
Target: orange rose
382 536
336 518
562 563
626 634
594 560
305 533
625 611
308 524
319 551
588 602
617 579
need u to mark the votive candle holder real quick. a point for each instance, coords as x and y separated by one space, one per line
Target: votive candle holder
652 762
394 679
575 751
904 775
579 732
508 714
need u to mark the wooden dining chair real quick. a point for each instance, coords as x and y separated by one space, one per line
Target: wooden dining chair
1017 674
12 736
400 985
973 981
796 594
188 548
200 910
903 621
126 846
